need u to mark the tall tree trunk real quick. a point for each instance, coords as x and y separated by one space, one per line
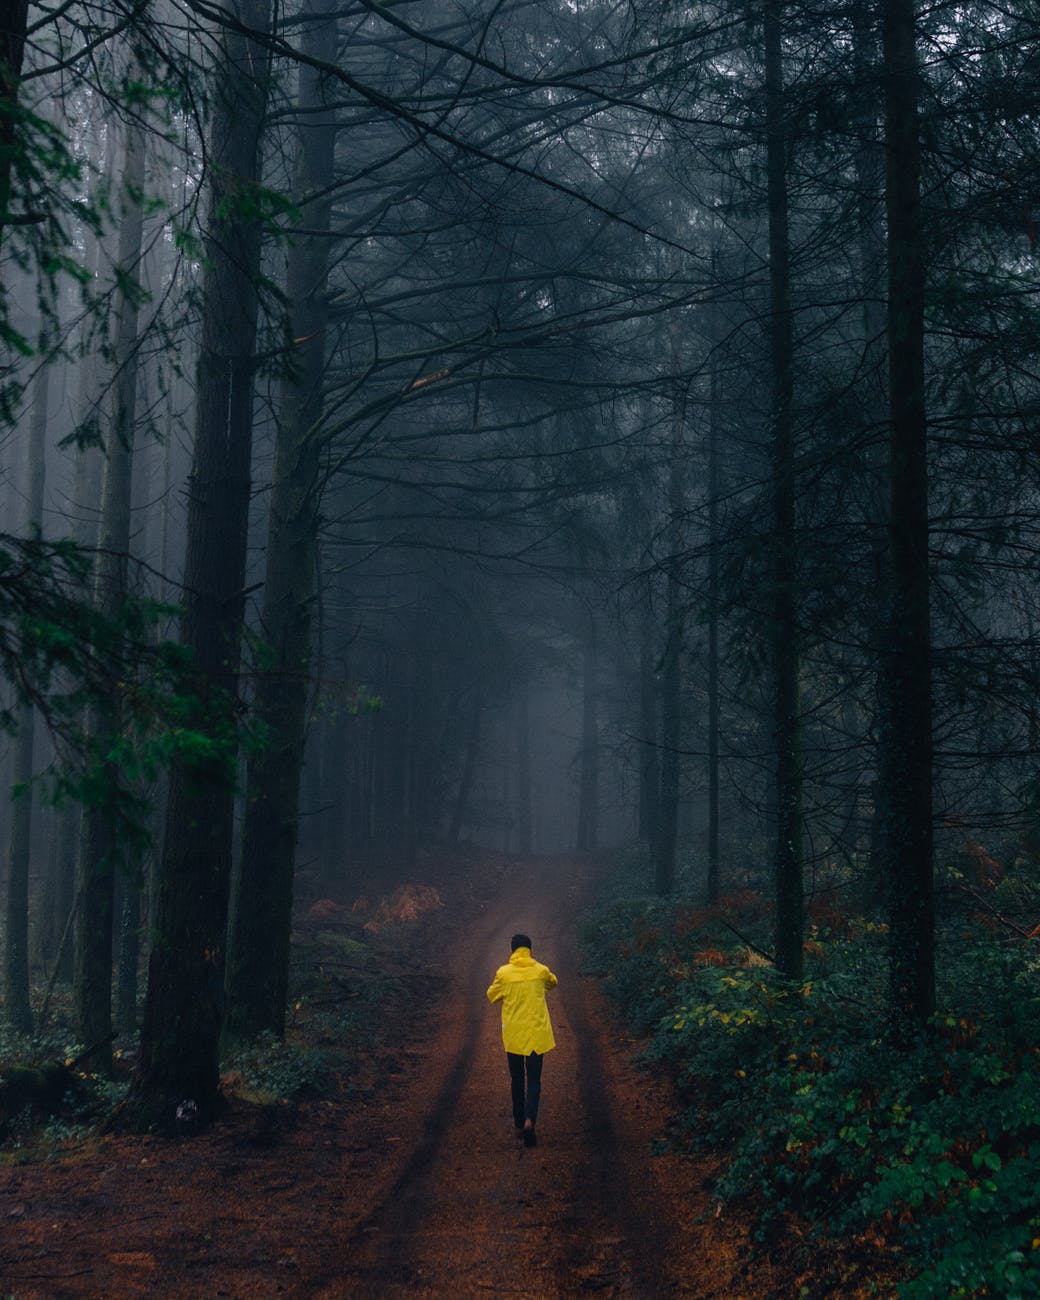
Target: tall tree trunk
13 21
92 982
129 955
714 596
55 932
16 931
261 918
649 750
180 1036
870 189
870 184
784 577
458 816
588 780
56 938
907 798
671 672
16 947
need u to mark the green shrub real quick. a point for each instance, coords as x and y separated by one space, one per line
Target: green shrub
273 1070
930 1156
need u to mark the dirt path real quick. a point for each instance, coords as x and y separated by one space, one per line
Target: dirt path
590 1210
425 1190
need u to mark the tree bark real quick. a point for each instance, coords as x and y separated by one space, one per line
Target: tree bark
712 884
13 22
873 394
671 675
261 917
96 861
784 577
129 956
907 797
60 889
649 751
180 1037
55 946
18 1011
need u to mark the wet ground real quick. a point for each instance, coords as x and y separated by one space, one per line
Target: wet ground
423 1188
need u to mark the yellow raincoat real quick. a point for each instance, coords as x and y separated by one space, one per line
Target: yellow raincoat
521 987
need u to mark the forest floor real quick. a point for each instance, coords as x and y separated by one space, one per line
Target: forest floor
409 1179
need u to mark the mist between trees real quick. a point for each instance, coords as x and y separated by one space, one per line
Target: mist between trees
549 425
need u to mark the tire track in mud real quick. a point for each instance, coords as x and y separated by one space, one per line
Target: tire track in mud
381 1249
607 1200
469 1211
617 1238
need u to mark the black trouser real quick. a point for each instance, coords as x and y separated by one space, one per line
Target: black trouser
525 1108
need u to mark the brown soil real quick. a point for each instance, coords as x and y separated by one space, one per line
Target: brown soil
423 1188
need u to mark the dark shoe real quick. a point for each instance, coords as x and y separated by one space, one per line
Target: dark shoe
519 1131
530 1138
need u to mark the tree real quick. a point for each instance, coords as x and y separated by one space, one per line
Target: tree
785 631
16 929
665 840
906 801
99 852
13 21
180 1036
713 881
261 915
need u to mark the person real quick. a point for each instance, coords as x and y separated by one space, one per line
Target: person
527 1034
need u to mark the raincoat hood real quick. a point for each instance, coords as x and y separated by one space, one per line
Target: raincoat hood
521 986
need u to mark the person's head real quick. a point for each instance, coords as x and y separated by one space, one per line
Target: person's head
519 941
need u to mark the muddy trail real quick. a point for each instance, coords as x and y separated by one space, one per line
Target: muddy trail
422 1188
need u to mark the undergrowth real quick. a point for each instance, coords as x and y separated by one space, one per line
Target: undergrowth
271 1069
929 1159
350 990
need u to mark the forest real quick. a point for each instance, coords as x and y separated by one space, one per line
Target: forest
458 443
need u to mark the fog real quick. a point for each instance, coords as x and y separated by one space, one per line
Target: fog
471 424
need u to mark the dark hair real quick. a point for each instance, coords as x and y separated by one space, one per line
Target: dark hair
519 941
